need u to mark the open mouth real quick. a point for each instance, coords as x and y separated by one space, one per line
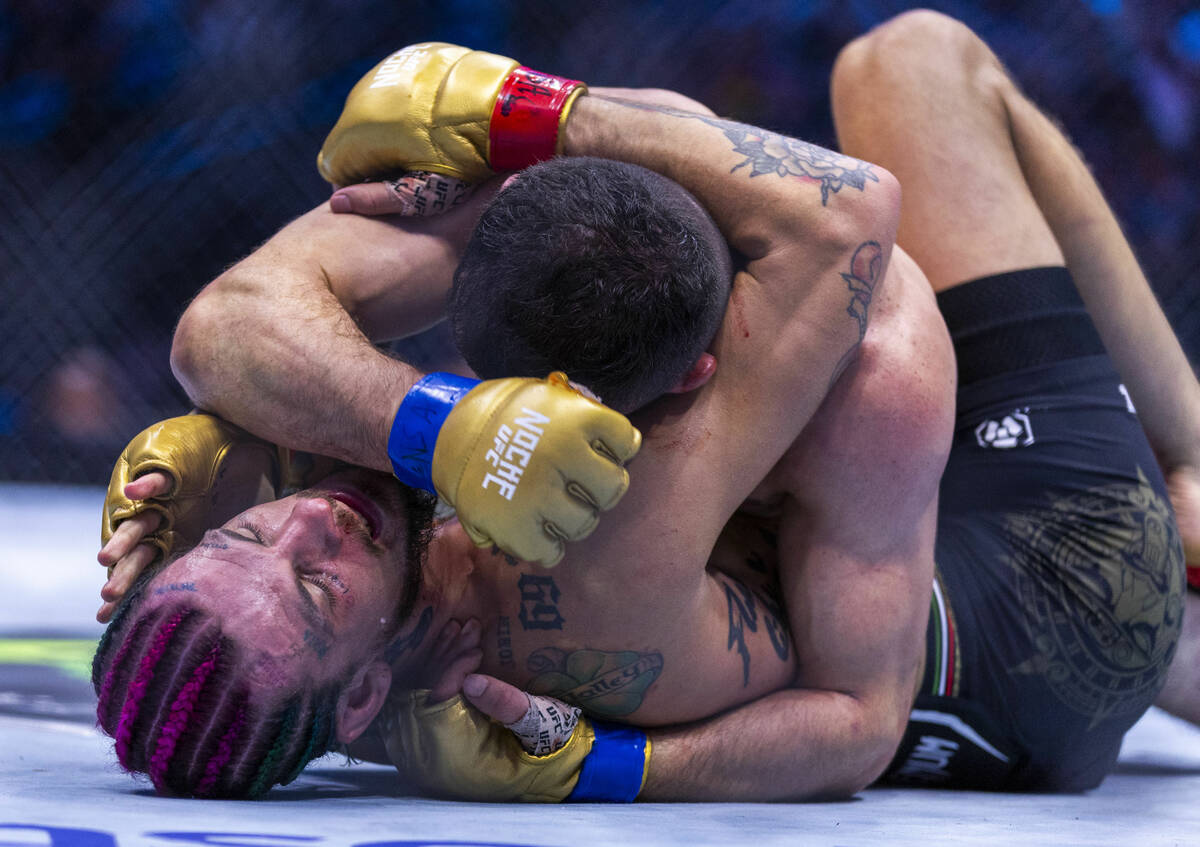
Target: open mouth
362 506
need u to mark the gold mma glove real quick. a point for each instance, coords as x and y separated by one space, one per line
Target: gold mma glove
217 470
453 750
526 463
450 110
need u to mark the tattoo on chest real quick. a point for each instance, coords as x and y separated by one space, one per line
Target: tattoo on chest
607 684
508 557
504 642
539 603
743 617
412 641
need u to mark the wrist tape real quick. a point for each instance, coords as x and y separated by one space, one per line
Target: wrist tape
526 118
615 769
417 424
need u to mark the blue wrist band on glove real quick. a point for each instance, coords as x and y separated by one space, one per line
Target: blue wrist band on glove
612 772
418 421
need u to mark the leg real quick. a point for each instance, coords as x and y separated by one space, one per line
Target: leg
920 95
1181 695
990 184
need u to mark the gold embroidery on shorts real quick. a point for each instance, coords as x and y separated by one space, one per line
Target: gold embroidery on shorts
1100 576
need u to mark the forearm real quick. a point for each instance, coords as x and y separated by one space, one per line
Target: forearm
294 370
791 745
1120 301
277 345
805 193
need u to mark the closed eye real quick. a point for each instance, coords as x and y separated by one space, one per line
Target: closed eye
253 530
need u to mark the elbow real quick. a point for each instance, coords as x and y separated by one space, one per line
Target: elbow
876 215
194 346
862 766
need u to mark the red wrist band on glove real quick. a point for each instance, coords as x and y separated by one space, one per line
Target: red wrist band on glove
524 128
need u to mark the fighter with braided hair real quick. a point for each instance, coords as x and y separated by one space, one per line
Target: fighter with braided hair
196 699
857 589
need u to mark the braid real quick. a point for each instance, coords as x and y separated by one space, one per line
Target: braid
141 682
115 668
132 598
172 692
284 737
320 733
180 714
224 752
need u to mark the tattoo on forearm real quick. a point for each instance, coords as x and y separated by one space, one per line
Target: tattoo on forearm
504 642
743 616
608 684
769 152
412 641
539 603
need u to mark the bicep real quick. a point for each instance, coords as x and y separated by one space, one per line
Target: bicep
857 538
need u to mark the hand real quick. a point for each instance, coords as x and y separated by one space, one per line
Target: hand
1183 487
527 463
173 481
124 554
417 194
442 108
456 651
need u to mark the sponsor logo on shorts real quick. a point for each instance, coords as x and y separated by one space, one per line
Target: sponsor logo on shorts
930 759
1100 577
1012 430
512 448
1128 400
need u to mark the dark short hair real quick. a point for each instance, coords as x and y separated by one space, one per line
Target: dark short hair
605 270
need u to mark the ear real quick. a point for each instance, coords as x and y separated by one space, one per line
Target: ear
362 700
700 372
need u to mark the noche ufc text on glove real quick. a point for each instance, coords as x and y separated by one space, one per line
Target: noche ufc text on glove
527 463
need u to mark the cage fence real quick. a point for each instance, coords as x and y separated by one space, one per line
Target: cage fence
148 144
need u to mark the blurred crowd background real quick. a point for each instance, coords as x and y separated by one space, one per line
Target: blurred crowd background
147 144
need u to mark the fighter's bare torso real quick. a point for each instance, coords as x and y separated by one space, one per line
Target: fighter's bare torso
654 640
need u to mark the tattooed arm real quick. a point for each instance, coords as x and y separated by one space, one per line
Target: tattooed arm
856 564
815 230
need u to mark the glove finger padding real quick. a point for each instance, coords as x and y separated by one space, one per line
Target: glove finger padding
217 470
453 750
511 456
425 107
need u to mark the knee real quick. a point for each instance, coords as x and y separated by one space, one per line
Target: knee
918 48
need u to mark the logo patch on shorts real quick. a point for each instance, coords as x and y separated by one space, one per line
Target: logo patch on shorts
1012 430
1100 575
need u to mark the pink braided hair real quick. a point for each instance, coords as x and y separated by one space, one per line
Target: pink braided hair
224 752
180 714
137 689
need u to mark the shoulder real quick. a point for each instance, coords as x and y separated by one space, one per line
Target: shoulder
883 433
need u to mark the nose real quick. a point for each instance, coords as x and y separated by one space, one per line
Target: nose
309 529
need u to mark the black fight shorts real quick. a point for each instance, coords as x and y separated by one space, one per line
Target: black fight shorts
1060 569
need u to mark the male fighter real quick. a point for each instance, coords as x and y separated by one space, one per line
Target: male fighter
1058 554
925 28
689 642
